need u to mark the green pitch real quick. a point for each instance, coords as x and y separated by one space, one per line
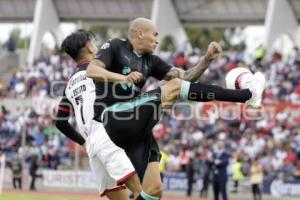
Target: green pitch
33 197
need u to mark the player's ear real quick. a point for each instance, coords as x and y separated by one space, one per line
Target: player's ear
140 34
89 47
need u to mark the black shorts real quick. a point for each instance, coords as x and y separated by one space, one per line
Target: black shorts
140 155
129 125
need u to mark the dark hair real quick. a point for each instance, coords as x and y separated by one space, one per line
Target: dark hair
74 42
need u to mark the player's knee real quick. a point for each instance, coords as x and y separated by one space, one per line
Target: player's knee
155 189
172 89
176 84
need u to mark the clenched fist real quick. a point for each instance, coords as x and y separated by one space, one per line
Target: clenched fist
134 77
213 51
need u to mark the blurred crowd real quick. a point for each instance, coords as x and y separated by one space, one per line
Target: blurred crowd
41 79
28 134
274 141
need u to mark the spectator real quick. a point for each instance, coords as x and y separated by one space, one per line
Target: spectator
220 160
11 45
205 171
256 178
181 61
296 172
190 174
17 169
237 174
34 166
185 156
163 163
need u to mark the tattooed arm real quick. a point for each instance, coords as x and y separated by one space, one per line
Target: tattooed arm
213 51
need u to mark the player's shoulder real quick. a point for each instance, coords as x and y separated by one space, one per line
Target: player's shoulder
115 42
119 40
153 57
75 73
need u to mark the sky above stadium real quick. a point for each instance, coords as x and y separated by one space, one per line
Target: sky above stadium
26 30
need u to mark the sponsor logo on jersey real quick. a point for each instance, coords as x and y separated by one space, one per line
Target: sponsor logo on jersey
126 70
106 45
126 86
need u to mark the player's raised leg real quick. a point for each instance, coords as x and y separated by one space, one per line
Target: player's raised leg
184 90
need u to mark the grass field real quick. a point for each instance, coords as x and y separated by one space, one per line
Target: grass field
47 195
33 197
44 196
10 194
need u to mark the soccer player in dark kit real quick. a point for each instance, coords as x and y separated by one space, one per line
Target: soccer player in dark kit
121 68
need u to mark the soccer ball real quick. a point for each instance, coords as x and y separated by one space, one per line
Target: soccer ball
238 78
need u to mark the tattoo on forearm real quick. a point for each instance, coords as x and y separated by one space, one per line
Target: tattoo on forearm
194 73
190 75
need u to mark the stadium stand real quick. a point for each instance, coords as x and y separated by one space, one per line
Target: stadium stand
274 140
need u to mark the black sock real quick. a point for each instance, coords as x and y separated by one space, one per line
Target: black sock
203 92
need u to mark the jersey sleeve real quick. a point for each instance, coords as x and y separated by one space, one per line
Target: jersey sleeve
65 105
62 121
159 67
107 52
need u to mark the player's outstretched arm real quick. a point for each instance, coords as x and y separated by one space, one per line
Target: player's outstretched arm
96 70
213 51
